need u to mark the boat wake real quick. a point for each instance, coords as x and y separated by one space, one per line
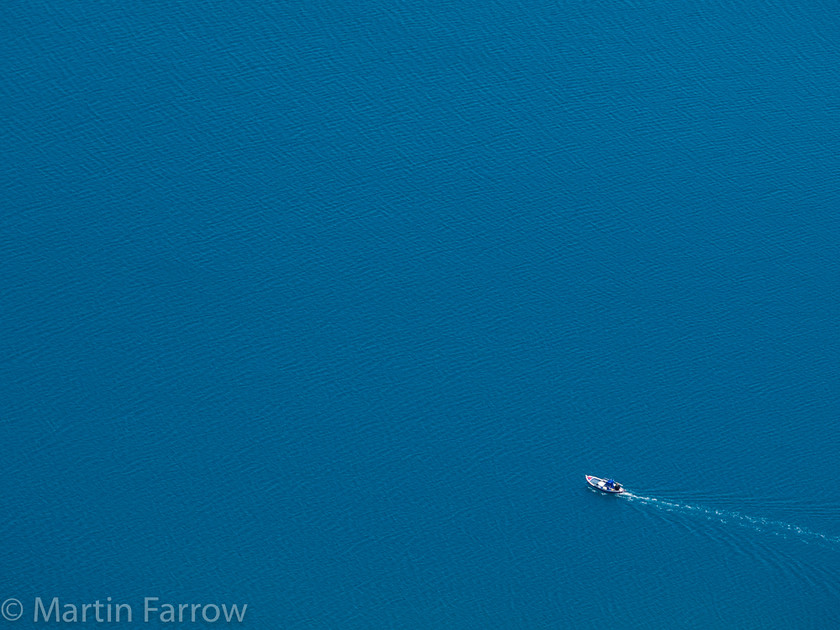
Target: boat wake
757 523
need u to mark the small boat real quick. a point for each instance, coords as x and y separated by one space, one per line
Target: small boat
605 485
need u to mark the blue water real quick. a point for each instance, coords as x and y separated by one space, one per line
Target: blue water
327 308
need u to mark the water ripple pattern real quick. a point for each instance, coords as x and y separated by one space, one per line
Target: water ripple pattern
327 307
759 524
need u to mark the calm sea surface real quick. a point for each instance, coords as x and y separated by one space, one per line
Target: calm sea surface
327 308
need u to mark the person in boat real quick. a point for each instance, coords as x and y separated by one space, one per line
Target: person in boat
610 484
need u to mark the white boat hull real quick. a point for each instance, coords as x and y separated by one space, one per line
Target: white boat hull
601 484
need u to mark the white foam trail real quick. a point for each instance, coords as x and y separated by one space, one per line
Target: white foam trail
760 524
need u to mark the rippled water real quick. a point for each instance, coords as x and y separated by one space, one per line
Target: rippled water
328 309
759 524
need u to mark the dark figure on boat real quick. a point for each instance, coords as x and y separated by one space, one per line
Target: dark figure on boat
612 486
